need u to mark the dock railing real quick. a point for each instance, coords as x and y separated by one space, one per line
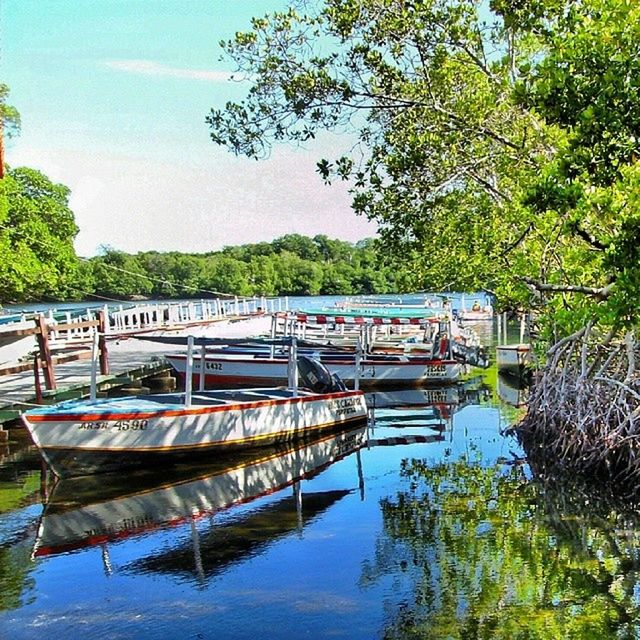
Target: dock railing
56 338
143 317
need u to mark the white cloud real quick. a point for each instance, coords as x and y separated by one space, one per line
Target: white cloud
151 68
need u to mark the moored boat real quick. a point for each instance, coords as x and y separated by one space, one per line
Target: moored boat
84 436
84 512
370 371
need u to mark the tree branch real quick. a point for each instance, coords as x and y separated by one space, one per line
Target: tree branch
599 293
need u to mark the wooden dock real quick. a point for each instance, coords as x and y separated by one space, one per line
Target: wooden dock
130 361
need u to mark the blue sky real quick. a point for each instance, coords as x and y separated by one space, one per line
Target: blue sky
113 96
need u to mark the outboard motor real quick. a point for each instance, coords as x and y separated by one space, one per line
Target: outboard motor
315 376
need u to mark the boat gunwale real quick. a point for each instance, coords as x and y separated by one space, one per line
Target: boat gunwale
111 415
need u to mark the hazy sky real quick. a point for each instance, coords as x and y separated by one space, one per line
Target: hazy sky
113 95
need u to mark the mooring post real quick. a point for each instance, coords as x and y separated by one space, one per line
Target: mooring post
93 389
45 353
103 320
188 377
36 378
274 329
357 361
292 368
203 363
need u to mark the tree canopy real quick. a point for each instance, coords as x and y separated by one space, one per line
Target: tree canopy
289 265
37 228
497 143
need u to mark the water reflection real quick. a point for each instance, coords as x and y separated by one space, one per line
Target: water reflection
513 390
94 510
491 554
427 523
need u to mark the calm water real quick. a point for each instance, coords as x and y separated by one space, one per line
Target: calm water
427 523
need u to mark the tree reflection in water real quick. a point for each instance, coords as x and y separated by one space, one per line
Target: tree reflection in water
491 553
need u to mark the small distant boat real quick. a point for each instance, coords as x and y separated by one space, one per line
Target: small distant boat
84 436
514 359
477 313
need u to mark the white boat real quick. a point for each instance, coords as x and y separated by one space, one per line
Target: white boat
438 336
82 436
477 313
371 371
514 359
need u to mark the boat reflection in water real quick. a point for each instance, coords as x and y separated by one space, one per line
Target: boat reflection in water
95 511
513 390
88 511
431 408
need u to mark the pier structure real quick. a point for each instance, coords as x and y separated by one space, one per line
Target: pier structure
59 349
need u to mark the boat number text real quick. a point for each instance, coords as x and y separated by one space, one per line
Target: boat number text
119 425
344 406
436 370
213 366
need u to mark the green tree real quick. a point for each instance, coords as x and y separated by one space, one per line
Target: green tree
226 275
264 277
448 150
119 275
499 147
298 277
301 246
9 115
337 279
37 228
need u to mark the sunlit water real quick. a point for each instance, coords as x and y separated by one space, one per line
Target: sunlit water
427 523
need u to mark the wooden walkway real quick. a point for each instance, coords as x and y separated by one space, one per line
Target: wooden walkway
129 360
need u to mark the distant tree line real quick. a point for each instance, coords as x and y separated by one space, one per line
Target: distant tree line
290 265
38 261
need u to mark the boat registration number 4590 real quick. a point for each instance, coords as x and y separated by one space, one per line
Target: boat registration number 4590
435 370
118 425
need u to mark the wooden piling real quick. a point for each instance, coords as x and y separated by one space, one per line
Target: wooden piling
45 353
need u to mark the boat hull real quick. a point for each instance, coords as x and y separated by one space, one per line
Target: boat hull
121 508
514 359
242 371
80 437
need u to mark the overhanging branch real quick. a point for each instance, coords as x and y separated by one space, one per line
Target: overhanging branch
600 293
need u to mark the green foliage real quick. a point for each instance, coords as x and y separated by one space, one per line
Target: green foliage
290 265
9 116
487 553
37 228
119 275
497 149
